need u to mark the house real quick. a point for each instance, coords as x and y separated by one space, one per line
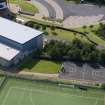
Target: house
17 41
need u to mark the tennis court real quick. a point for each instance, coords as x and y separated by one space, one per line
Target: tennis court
83 71
23 92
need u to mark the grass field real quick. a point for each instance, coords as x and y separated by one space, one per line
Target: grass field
23 92
1 79
65 35
25 6
92 35
40 66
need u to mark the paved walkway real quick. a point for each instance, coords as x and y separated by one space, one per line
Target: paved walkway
14 8
79 21
39 74
52 13
43 11
78 15
57 8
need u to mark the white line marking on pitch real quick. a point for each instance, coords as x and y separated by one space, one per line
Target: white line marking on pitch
31 97
19 102
6 96
38 90
96 102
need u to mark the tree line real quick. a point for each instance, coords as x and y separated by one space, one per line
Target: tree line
75 50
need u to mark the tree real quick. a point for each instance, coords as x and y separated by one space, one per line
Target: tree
77 43
43 27
102 56
103 86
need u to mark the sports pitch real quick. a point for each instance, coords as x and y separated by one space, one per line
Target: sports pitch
25 92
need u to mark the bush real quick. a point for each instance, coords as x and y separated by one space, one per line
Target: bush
101 31
43 27
54 33
103 86
52 28
91 26
84 27
36 26
46 33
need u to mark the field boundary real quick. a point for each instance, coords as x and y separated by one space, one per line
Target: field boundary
88 84
45 91
40 90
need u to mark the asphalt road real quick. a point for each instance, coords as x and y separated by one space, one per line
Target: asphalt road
52 13
80 9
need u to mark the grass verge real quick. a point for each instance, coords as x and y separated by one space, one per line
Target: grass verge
40 66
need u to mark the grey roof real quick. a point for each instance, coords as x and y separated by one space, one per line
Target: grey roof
7 52
17 32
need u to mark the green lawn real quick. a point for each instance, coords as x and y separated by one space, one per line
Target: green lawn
30 8
1 79
24 92
25 6
65 35
13 1
73 1
92 34
41 66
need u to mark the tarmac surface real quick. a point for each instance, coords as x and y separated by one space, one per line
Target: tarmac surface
80 9
85 72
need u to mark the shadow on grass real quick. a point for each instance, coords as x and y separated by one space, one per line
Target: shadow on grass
28 63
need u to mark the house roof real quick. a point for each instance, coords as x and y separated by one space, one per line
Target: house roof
17 32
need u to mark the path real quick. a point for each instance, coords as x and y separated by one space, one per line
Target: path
57 8
50 9
43 11
41 75
14 8
79 21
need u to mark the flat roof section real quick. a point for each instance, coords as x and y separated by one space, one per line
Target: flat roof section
7 52
17 32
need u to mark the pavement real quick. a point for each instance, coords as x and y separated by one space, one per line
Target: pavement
14 8
79 21
43 11
74 15
50 9
57 8
40 75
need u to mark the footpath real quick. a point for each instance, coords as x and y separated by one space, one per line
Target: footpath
40 75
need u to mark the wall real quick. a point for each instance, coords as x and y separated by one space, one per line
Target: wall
10 43
35 43
4 62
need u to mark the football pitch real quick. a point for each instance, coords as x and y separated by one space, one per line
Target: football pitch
25 92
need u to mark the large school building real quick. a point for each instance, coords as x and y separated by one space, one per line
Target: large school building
17 41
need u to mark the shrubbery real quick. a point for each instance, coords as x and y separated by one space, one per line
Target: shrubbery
75 50
103 86
101 31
